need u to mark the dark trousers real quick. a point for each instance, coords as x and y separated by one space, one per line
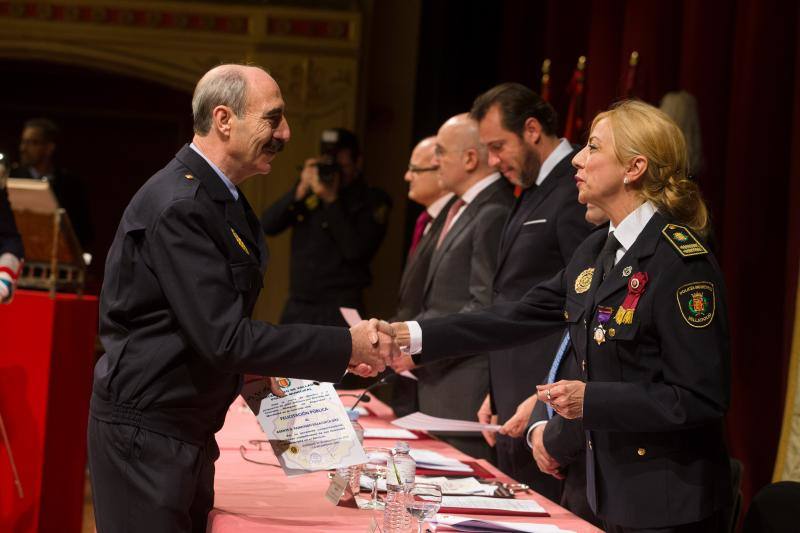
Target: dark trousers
712 524
148 482
515 459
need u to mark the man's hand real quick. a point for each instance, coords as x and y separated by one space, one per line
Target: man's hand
274 388
515 426
546 464
402 337
565 397
485 416
373 346
403 362
309 181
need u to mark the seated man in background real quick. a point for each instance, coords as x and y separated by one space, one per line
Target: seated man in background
424 188
37 160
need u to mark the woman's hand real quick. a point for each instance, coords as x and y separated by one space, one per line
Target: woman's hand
565 397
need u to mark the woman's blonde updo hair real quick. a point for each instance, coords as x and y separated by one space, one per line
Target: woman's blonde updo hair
640 129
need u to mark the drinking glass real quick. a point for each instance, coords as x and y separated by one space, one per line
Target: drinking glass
423 501
375 468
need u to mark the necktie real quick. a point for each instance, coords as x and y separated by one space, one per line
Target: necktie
551 376
608 255
448 222
419 230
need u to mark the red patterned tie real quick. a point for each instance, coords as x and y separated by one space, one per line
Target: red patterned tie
419 230
448 222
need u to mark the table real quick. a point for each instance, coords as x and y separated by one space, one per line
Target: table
256 498
46 360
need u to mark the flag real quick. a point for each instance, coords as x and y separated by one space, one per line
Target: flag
574 123
629 85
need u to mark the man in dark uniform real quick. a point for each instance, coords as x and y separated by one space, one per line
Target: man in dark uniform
181 280
338 223
546 223
37 152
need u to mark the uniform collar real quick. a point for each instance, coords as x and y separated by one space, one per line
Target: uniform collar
228 183
632 225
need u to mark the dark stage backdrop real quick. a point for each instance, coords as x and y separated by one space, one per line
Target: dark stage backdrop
740 60
116 131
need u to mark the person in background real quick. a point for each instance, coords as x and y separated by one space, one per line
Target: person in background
38 148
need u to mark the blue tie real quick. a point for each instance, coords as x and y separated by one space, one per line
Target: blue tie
551 376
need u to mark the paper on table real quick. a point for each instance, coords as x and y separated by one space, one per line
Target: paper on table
307 428
508 505
422 422
350 315
389 433
463 486
464 523
435 461
353 317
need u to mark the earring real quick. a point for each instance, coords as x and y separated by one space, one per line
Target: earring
625 181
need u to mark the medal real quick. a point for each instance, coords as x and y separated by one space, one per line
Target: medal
636 287
603 316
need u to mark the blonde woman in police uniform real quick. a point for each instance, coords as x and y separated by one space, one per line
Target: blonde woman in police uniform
645 305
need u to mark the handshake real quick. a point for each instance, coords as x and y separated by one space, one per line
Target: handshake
376 345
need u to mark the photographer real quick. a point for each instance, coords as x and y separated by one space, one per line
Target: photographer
339 223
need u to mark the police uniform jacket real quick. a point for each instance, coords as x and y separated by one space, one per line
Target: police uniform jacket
657 387
332 245
182 277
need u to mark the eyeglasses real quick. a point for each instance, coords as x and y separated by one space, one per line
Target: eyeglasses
419 170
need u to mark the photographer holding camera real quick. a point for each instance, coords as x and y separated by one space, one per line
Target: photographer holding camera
338 222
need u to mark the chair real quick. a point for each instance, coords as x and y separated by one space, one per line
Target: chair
774 509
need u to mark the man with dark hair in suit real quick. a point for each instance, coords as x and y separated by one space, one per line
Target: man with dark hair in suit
37 150
545 226
425 189
181 281
461 271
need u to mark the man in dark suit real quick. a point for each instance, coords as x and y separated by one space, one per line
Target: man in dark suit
182 278
547 223
425 189
37 152
461 271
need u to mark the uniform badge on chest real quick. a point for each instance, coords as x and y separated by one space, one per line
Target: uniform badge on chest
603 316
584 281
240 242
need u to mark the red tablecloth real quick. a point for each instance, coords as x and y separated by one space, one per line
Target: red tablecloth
256 498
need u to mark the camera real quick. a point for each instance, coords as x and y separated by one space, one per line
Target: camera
331 143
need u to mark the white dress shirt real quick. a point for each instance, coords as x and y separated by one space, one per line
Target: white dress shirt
434 209
563 149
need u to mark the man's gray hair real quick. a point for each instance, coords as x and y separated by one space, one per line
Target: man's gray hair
224 85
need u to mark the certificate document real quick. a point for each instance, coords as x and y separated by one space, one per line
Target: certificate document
308 428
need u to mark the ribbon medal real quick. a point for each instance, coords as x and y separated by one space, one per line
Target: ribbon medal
603 316
636 287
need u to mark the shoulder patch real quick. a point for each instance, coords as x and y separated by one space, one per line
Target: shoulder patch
683 240
697 303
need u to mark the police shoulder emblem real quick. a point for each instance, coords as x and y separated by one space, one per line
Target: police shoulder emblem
584 280
697 303
682 239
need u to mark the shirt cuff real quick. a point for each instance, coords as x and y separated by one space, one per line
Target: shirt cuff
529 434
415 341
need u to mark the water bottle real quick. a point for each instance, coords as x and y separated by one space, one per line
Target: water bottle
402 469
353 473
